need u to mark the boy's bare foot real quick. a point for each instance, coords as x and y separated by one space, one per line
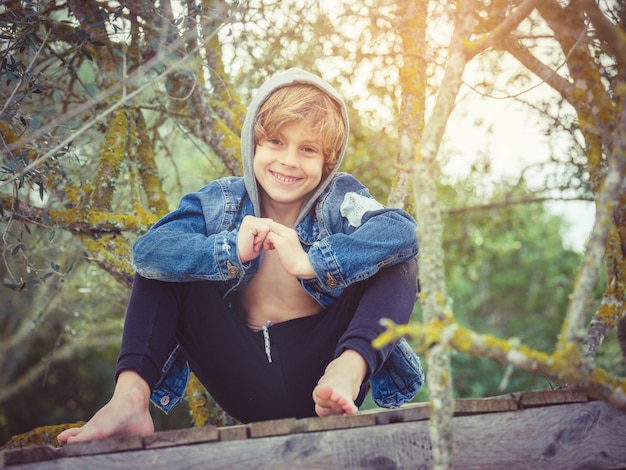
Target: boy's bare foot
126 413
339 386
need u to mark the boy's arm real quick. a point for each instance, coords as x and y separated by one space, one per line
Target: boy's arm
372 237
185 245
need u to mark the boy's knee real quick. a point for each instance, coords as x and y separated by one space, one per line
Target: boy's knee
408 270
411 274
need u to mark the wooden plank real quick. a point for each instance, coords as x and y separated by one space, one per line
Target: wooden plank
273 427
577 435
551 397
28 454
232 433
102 446
518 400
406 413
328 423
181 437
484 405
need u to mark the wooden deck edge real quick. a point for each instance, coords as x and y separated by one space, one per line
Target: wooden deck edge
206 434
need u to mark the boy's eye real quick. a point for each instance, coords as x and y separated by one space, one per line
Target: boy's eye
310 149
274 141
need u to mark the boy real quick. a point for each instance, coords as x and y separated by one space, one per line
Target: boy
269 287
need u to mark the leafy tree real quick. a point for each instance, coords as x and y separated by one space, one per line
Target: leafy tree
578 50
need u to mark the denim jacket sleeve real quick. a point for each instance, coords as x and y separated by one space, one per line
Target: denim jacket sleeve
361 236
197 241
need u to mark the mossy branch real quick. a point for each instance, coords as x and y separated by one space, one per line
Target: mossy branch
146 164
111 157
112 254
93 222
564 365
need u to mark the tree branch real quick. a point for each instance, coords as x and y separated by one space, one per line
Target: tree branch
506 203
608 195
559 366
60 354
612 35
544 72
498 33
75 220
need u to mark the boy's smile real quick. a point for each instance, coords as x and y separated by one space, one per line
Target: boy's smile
287 167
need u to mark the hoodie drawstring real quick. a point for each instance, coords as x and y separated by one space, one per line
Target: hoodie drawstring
266 339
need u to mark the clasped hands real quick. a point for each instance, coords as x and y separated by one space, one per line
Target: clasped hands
256 234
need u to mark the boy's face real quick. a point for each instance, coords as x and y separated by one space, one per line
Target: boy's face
288 166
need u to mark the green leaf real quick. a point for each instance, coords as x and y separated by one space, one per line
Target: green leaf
14 286
35 123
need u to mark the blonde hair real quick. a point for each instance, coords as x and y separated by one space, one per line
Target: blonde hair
309 104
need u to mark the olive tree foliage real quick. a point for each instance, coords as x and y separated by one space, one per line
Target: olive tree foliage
92 93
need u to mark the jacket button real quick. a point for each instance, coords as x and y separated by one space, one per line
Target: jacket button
231 269
165 400
331 282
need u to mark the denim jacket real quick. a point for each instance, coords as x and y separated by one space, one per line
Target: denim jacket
335 235
340 247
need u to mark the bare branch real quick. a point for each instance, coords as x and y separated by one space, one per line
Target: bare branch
503 29
506 203
543 71
61 354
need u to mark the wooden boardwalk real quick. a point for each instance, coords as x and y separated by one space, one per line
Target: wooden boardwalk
533 430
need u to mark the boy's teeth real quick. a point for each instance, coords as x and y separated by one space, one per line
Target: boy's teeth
284 179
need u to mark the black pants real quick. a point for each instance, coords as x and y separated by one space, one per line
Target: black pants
230 359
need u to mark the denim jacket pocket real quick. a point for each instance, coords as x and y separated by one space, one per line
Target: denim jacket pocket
399 379
170 389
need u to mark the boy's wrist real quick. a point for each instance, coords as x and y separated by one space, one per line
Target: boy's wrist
307 271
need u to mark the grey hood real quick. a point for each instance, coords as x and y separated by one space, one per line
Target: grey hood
289 77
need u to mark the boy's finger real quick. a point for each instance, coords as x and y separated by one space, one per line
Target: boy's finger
267 243
280 229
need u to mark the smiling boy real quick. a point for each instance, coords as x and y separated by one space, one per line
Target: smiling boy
270 286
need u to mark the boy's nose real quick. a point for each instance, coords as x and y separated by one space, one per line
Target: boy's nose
290 157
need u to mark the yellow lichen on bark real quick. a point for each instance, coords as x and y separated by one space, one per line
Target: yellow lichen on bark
94 221
9 136
198 402
231 144
111 157
150 179
112 253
